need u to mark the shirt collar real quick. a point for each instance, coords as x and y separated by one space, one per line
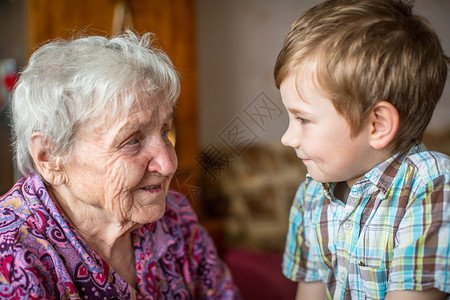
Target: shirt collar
381 176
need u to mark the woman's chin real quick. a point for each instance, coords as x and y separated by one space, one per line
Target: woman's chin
149 213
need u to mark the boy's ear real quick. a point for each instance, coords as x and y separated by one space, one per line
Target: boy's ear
384 122
49 166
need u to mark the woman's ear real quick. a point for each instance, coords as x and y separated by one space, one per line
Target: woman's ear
384 122
50 166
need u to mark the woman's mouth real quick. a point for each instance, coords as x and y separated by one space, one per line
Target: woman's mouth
153 188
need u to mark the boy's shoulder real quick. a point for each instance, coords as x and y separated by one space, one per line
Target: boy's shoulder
426 160
425 165
418 172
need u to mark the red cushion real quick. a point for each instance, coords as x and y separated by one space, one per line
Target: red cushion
258 275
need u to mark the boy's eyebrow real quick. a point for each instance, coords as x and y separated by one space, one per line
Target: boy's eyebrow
298 111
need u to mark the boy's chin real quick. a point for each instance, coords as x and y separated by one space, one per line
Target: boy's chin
320 177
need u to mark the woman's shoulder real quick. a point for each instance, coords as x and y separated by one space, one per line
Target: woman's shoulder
14 209
22 244
24 219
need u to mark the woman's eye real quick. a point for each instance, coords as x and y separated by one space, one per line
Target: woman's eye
164 132
133 141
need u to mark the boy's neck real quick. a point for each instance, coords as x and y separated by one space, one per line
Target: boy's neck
341 191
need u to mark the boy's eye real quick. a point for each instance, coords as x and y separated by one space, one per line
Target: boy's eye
302 121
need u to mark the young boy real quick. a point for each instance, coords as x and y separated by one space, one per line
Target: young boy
360 80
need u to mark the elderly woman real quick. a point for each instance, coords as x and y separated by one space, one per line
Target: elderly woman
93 217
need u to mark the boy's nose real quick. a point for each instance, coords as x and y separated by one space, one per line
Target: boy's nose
289 139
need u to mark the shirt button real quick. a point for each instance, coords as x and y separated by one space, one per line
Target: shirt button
342 277
348 225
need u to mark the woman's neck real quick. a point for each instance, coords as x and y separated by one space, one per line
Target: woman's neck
109 239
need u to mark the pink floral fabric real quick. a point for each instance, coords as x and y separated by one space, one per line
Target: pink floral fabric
43 257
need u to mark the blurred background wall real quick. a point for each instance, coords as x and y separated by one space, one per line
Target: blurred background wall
233 168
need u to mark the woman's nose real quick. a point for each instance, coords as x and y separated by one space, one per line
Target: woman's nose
163 160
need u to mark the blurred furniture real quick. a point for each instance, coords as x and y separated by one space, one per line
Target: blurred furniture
252 196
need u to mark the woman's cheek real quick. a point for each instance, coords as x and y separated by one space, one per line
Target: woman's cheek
115 180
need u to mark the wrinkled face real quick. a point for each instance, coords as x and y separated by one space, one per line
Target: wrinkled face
320 136
124 166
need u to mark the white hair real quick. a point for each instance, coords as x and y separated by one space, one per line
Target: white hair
69 82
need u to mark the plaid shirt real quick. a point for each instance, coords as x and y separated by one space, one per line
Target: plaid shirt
392 233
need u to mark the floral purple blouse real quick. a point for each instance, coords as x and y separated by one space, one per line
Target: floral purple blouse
43 257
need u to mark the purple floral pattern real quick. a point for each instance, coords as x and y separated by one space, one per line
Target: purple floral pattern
43 257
